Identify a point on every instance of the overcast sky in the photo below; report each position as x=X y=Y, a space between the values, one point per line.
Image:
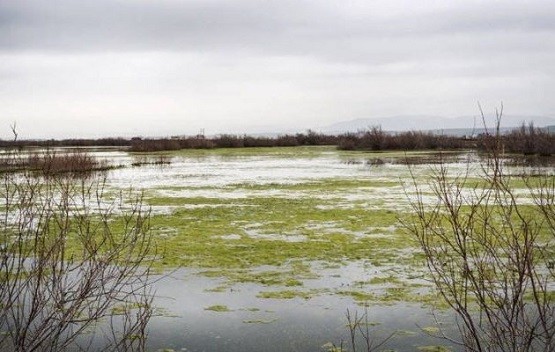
x=162 y=67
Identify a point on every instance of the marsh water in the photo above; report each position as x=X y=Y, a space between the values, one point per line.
x=261 y=324
x=268 y=249
x=198 y=310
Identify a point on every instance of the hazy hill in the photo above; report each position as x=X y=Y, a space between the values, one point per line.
x=462 y=124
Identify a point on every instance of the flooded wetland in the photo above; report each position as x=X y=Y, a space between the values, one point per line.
x=277 y=176
x=277 y=249
x=268 y=248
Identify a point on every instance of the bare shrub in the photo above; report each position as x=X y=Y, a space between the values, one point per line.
x=157 y=160
x=74 y=267
x=376 y=139
x=530 y=140
x=75 y=162
x=50 y=162
x=361 y=335
x=153 y=145
x=286 y=140
x=490 y=255
x=229 y=141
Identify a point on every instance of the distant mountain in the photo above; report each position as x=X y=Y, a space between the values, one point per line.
x=435 y=123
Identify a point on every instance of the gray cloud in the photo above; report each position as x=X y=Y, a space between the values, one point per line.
x=299 y=27
x=296 y=63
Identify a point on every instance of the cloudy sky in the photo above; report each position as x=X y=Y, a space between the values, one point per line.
x=93 y=68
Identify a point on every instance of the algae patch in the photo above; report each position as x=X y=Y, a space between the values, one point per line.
x=218 y=308
x=287 y=294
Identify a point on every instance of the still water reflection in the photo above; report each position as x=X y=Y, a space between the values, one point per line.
x=255 y=324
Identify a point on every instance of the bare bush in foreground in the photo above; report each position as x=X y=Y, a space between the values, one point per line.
x=490 y=255
x=74 y=267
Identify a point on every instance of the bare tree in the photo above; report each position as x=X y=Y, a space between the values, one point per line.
x=13 y=127
x=74 y=266
x=489 y=254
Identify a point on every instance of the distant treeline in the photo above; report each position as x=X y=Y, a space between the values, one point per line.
x=101 y=142
x=376 y=139
x=233 y=141
x=530 y=140
x=526 y=140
